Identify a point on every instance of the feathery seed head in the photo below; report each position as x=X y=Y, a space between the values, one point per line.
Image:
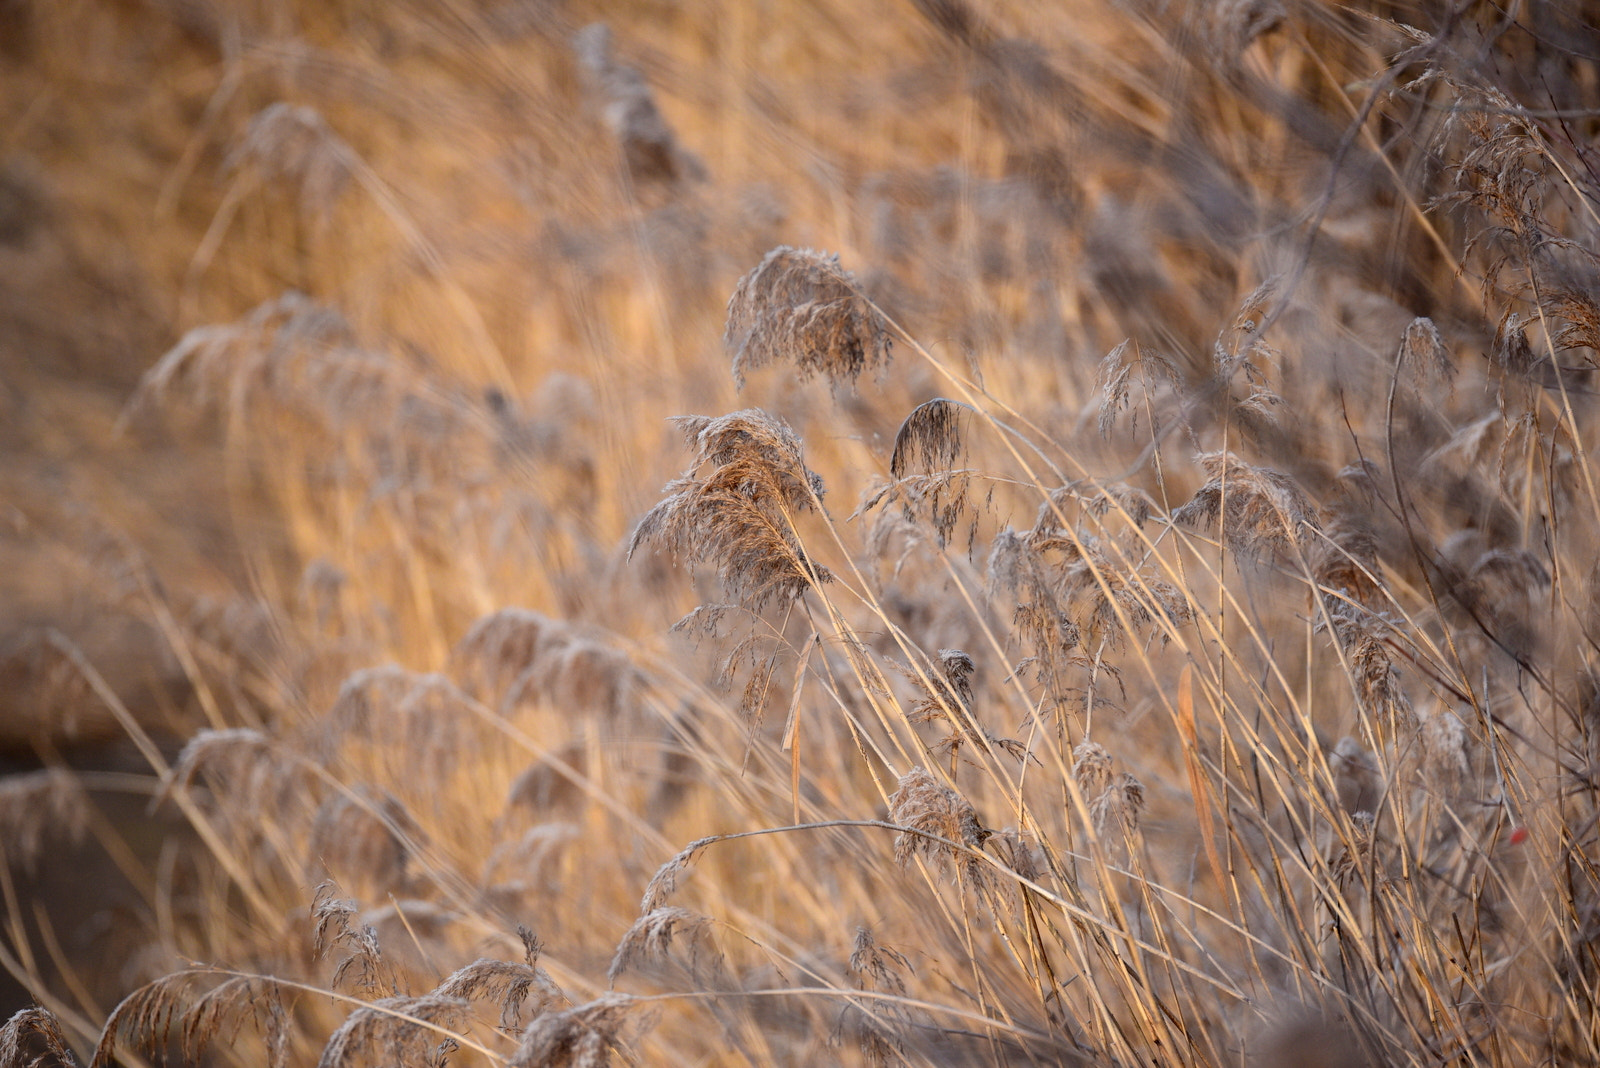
x=921 y=803
x=801 y=307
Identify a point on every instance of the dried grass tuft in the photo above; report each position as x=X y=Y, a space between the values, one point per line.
x=951 y=693
x=877 y=966
x=1423 y=354
x=362 y=835
x=798 y=306
x=877 y=1028
x=1115 y=377
x=1446 y=767
x=929 y=440
x=947 y=695
x=1115 y=802
x=147 y=1018
x=927 y=449
x=1091 y=770
x=501 y=646
x=1356 y=779
x=1115 y=813
x=294 y=142
x=515 y=655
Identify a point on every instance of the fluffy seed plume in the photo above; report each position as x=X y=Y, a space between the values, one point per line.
x=1345 y=560
x=1115 y=813
x=739 y=516
x=877 y=966
x=951 y=693
x=947 y=695
x=361 y=837
x=508 y=984
x=927 y=478
x=294 y=142
x=651 y=936
x=665 y=880
x=32 y=1038
x=801 y=307
x=189 y=1011
x=581 y=1037
x=1423 y=354
x=1116 y=376
x=1073 y=588
x=1355 y=777
x=877 y=1031
x=1263 y=511
x=1445 y=765
x=930 y=439
x=394 y=1030
x=373 y=975
x=922 y=804
x=1091 y=769
x=1377 y=681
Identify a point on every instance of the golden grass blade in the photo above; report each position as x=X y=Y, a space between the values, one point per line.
x=1205 y=818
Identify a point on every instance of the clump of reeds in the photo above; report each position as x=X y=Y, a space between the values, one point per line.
x=1350 y=801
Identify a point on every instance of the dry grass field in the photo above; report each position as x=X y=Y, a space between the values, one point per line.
x=929 y=532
